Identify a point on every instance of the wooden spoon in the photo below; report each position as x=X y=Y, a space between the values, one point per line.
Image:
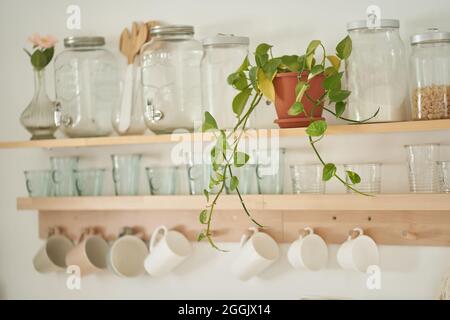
x=130 y=45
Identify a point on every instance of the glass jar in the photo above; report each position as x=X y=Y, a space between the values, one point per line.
x=223 y=54
x=430 y=75
x=87 y=87
x=376 y=72
x=171 y=86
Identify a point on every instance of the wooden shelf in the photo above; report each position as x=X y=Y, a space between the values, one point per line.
x=370 y=128
x=309 y=202
x=394 y=219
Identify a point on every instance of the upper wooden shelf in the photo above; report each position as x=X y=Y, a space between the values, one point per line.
x=370 y=128
x=306 y=202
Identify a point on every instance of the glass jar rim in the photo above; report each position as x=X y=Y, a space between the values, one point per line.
x=172 y=30
x=83 y=42
x=384 y=24
x=432 y=35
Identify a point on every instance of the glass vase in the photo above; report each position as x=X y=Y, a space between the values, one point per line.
x=38 y=118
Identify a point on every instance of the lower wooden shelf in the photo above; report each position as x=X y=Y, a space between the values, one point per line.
x=393 y=219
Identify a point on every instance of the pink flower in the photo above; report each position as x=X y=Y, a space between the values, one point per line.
x=46 y=42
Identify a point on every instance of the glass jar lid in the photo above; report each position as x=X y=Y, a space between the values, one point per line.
x=362 y=24
x=172 y=30
x=432 y=35
x=79 y=42
x=223 y=39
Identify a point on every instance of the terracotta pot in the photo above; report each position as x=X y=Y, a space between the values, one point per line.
x=284 y=84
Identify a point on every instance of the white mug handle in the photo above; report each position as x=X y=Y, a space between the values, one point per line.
x=246 y=237
x=360 y=233
x=154 y=239
x=306 y=232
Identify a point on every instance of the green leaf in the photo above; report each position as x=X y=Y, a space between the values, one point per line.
x=291 y=62
x=330 y=71
x=262 y=49
x=201 y=236
x=49 y=52
x=296 y=109
x=240 y=101
x=206 y=193
x=317 y=128
x=240 y=158
x=333 y=82
x=335 y=62
x=329 y=170
x=252 y=74
x=238 y=80
x=244 y=66
x=317 y=69
x=353 y=176
x=312 y=47
x=300 y=90
x=203 y=217
x=265 y=85
x=344 y=48
x=261 y=60
x=209 y=123
x=234 y=182
x=39 y=60
x=339 y=108
x=338 y=95
x=301 y=63
x=271 y=67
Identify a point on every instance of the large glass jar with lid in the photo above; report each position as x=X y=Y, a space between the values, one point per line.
x=430 y=75
x=376 y=72
x=87 y=87
x=171 y=86
x=223 y=54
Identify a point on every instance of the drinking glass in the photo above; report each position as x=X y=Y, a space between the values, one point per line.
x=444 y=176
x=162 y=180
x=89 y=182
x=247 y=179
x=307 y=178
x=126 y=174
x=39 y=183
x=270 y=171
x=63 y=175
x=370 y=174
x=423 y=168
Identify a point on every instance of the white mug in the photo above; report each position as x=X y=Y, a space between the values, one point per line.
x=127 y=254
x=167 y=251
x=309 y=252
x=358 y=253
x=257 y=253
x=52 y=256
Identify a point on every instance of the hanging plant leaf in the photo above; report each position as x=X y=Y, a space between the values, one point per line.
x=344 y=48
x=317 y=128
x=329 y=170
x=353 y=176
x=296 y=109
x=209 y=123
x=265 y=85
x=234 y=182
x=240 y=101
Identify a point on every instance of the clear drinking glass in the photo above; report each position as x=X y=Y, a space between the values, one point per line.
x=422 y=166
x=247 y=179
x=162 y=180
x=370 y=174
x=89 y=182
x=444 y=176
x=39 y=183
x=307 y=178
x=270 y=171
x=199 y=177
x=63 y=175
x=126 y=174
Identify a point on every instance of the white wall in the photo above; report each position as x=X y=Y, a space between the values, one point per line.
x=408 y=272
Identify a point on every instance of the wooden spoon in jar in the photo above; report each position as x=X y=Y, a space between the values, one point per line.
x=130 y=44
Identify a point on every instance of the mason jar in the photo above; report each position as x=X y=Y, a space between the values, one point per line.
x=171 y=86
x=376 y=72
x=223 y=54
x=87 y=87
x=430 y=75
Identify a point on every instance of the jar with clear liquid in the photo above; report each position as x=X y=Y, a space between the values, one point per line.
x=171 y=86
x=87 y=87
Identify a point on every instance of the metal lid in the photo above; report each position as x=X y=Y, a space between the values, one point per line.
x=78 y=42
x=362 y=24
x=172 y=30
x=226 y=39
x=432 y=35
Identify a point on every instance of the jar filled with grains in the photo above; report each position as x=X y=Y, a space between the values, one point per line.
x=430 y=75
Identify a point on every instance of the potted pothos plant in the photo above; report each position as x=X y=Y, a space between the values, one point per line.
x=301 y=87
